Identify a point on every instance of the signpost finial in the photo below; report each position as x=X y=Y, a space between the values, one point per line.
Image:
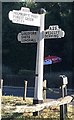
x=42 y=11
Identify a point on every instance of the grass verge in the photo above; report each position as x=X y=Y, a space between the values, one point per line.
x=51 y=113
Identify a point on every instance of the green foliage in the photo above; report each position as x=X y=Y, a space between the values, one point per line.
x=29 y=3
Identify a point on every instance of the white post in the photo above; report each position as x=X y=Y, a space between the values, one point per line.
x=38 y=92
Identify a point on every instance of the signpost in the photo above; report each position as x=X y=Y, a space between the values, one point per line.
x=38 y=95
x=25 y=17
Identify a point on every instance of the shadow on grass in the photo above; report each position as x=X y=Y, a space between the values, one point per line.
x=20 y=116
x=14 y=116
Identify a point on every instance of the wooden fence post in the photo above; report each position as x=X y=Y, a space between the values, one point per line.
x=1 y=86
x=44 y=89
x=25 y=89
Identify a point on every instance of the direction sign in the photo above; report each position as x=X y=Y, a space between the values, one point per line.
x=32 y=36
x=24 y=17
x=28 y=36
x=53 y=32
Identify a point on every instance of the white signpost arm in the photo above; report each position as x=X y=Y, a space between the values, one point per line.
x=24 y=17
x=38 y=95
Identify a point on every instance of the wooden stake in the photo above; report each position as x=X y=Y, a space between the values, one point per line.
x=44 y=89
x=25 y=90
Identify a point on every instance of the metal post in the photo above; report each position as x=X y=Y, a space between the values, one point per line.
x=62 y=114
x=65 y=93
x=38 y=92
x=25 y=89
x=63 y=108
